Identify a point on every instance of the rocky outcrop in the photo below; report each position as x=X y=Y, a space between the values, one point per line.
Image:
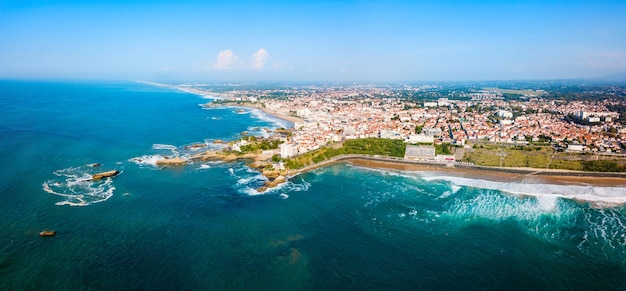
x=195 y=146
x=230 y=158
x=177 y=161
x=271 y=174
x=102 y=175
x=259 y=165
x=208 y=155
x=273 y=183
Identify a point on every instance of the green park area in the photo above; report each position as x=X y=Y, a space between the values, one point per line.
x=368 y=146
x=542 y=157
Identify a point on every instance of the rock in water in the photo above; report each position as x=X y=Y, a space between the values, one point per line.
x=48 y=233
x=177 y=161
x=273 y=183
x=107 y=174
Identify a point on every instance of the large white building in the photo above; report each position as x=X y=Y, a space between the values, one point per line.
x=419 y=152
x=288 y=150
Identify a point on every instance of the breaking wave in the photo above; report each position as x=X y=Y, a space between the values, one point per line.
x=147 y=160
x=547 y=211
x=277 y=122
x=77 y=187
x=596 y=195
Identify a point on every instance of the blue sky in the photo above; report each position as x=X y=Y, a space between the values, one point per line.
x=312 y=41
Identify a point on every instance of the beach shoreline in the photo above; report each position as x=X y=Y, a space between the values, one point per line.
x=573 y=185
x=514 y=175
x=494 y=174
x=265 y=110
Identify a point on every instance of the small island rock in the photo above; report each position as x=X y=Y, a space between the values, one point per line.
x=107 y=174
x=177 y=161
x=48 y=233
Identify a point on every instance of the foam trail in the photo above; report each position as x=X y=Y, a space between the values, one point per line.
x=596 y=195
x=171 y=148
x=78 y=189
x=605 y=234
x=147 y=160
x=203 y=167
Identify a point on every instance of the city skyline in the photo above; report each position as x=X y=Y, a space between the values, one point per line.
x=322 y=41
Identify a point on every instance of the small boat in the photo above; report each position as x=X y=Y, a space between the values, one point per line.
x=48 y=233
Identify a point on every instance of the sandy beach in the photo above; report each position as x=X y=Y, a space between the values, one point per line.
x=494 y=174
x=289 y=118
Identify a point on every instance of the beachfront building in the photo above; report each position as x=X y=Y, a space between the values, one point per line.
x=575 y=147
x=419 y=152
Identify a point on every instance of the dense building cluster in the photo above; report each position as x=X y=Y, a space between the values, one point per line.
x=341 y=113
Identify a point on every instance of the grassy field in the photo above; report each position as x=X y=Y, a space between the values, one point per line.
x=507 y=156
x=370 y=146
x=543 y=157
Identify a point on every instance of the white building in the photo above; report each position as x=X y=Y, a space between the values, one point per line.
x=575 y=147
x=420 y=138
x=505 y=114
x=288 y=150
x=419 y=152
x=304 y=112
x=432 y=131
x=430 y=104
x=594 y=119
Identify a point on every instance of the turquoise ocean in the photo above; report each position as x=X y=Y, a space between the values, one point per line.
x=205 y=227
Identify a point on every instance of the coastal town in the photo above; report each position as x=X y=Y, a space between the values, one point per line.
x=323 y=115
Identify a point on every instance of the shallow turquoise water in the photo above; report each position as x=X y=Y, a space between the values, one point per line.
x=205 y=227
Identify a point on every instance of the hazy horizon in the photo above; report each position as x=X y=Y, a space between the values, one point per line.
x=348 y=41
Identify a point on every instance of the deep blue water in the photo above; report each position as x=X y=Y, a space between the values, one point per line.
x=204 y=227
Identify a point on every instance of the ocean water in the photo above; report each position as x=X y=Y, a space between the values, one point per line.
x=204 y=226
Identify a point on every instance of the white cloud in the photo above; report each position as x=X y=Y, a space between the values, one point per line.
x=225 y=60
x=259 y=58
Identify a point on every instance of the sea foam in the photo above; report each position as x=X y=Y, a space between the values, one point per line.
x=78 y=188
x=147 y=160
x=596 y=195
x=259 y=114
